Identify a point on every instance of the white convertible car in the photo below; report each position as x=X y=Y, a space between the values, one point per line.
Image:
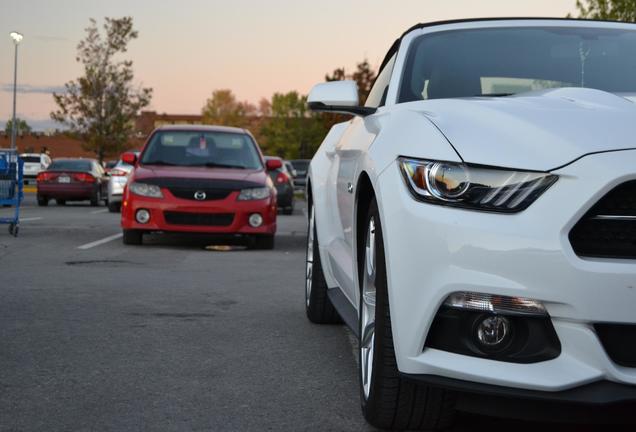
x=475 y=222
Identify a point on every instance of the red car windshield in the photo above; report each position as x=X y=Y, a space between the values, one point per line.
x=202 y=148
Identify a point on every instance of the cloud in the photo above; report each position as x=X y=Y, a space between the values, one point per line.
x=28 y=88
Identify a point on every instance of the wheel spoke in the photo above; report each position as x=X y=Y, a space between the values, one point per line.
x=367 y=314
x=310 y=256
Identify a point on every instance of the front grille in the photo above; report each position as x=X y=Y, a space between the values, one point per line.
x=198 y=219
x=608 y=230
x=619 y=341
x=214 y=189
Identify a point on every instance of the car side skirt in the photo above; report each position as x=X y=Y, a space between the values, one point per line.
x=345 y=309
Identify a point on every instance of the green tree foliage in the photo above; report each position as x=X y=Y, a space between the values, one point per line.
x=23 y=127
x=100 y=106
x=223 y=109
x=292 y=131
x=618 y=10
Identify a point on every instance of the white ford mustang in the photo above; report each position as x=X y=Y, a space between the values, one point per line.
x=475 y=222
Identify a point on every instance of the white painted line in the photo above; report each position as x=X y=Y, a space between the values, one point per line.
x=99 y=211
x=29 y=219
x=100 y=242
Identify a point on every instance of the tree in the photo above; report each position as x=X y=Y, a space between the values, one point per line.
x=364 y=76
x=292 y=131
x=223 y=109
x=618 y=10
x=23 y=127
x=100 y=106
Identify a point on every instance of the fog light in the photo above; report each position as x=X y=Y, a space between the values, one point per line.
x=142 y=216
x=255 y=220
x=493 y=331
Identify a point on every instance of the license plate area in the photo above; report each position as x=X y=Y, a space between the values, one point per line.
x=64 y=179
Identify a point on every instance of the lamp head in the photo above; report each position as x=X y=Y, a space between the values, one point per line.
x=17 y=37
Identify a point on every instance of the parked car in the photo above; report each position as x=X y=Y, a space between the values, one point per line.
x=284 y=183
x=300 y=178
x=109 y=165
x=72 y=180
x=34 y=163
x=290 y=168
x=118 y=177
x=475 y=222
x=200 y=179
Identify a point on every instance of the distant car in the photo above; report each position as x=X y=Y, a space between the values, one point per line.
x=116 y=184
x=200 y=179
x=300 y=178
x=284 y=184
x=72 y=180
x=34 y=163
x=290 y=168
x=109 y=165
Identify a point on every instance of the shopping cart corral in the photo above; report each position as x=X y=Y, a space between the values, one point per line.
x=11 y=184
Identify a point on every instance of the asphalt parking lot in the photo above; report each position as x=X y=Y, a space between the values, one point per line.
x=172 y=335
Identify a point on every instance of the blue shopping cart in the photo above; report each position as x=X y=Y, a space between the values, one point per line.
x=11 y=185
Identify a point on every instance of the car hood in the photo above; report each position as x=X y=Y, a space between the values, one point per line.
x=200 y=173
x=540 y=130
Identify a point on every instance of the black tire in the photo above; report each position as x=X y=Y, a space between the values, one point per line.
x=133 y=237
x=95 y=199
x=114 y=207
x=60 y=202
x=393 y=401
x=43 y=201
x=263 y=242
x=318 y=307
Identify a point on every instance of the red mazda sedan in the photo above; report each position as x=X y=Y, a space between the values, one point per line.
x=72 y=180
x=200 y=179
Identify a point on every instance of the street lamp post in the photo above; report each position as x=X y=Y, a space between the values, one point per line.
x=17 y=37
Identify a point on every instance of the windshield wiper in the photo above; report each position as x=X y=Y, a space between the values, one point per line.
x=222 y=165
x=160 y=162
x=495 y=94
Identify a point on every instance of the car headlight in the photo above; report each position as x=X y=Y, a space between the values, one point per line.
x=146 y=190
x=254 y=194
x=472 y=187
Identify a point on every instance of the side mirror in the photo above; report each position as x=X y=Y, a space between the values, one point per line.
x=273 y=164
x=129 y=158
x=338 y=97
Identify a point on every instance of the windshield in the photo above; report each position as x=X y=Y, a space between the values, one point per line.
x=505 y=61
x=202 y=148
x=70 y=165
x=300 y=165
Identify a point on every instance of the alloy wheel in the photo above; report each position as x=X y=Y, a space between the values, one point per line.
x=310 y=256
x=367 y=336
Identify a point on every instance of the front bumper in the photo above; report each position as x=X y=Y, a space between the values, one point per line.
x=433 y=251
x=239 y=225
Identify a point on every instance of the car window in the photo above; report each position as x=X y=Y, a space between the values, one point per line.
x=300 y=165
x=31 y=159
x=202 y=148
x=504 y=61
x=377 y=96
x=70 y=165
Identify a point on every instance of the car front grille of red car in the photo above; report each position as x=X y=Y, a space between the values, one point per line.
x=198 y=219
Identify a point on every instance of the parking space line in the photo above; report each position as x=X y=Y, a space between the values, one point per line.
x=100 y=242
x=29 y=219
x=99 y=211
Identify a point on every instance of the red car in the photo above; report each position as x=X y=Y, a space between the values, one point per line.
x=200 y=179
x=72 y=180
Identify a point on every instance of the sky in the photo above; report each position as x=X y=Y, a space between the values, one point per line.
x=188 y=48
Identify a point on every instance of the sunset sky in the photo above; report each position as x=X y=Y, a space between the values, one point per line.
x=188 y=48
